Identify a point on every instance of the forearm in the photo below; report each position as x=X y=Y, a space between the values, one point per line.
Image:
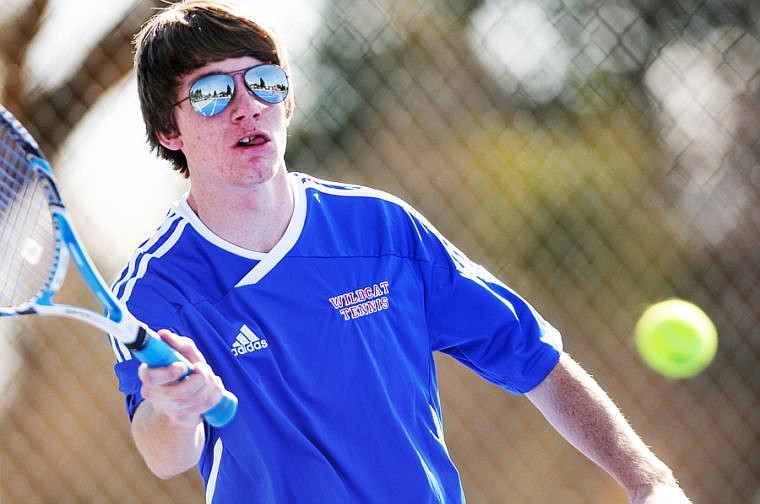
x=581 y=411
x=169 y=448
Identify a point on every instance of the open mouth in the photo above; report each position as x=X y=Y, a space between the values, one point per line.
x=252 y=141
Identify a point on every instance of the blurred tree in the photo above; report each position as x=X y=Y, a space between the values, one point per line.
x=65 y=437
x=51 y=115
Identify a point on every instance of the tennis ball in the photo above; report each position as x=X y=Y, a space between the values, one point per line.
x=676 y=338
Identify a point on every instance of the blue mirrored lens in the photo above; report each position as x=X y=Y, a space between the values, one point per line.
x=211 y=94
x=268 y=83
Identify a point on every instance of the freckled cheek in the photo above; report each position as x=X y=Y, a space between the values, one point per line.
x=202 y=148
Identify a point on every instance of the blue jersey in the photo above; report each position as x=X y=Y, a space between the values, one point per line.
x=328 y=342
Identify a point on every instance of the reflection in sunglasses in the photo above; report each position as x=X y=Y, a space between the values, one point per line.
x=211 y=94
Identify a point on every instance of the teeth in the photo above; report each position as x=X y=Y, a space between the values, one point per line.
x=252 y=140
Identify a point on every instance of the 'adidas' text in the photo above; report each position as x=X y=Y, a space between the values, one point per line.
x=247 y=342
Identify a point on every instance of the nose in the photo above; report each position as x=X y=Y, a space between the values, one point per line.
x=244 y=104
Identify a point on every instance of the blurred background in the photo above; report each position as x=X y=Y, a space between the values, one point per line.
x=596 y=155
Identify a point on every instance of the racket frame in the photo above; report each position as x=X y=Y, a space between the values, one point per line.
x=115 y=320
x=142 y=341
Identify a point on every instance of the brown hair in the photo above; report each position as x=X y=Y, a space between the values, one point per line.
x=182 y=38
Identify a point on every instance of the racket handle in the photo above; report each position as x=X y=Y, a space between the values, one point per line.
x=157 y=353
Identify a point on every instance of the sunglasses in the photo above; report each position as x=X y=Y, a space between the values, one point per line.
x=211 y=94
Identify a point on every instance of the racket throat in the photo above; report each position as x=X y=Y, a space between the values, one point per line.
x=141 y=340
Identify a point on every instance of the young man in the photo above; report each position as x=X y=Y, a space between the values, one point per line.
x=318 y=304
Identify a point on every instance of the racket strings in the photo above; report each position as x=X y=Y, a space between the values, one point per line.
x=28 y=248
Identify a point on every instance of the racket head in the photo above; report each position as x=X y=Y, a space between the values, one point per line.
x=36 y=238
x=33 y=258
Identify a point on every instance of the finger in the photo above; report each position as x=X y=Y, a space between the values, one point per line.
x=172 y=395
x=183 y=345
x=157 y=376
x=187 y=399
x=204 y=390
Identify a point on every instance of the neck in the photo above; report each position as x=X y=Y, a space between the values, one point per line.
x=251 y=217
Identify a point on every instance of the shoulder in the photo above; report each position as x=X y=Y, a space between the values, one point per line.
x=383 y=222
x=344 y=197
x=313 y=185
x=141 y=273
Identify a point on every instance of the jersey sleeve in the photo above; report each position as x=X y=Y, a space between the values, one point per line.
x=478 y=320
x=154 y=311
x=129 y=383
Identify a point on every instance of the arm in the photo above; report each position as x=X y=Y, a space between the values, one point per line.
x=167 y=447
x=582 y=413
x=167 y=426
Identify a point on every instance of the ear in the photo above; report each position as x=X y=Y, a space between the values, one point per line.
x=172 y=141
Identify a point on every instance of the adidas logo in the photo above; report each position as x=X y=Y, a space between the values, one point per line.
x=247 y=342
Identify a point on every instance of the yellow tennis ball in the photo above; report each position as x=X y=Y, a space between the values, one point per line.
x=676 y=338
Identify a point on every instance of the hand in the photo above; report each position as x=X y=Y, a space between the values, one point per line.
x=182 y=400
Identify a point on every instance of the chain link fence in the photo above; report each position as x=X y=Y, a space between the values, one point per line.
x=597 y=156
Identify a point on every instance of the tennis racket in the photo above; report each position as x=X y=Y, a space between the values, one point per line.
x=37 y=239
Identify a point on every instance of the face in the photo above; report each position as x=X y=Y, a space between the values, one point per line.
x=242 y=145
